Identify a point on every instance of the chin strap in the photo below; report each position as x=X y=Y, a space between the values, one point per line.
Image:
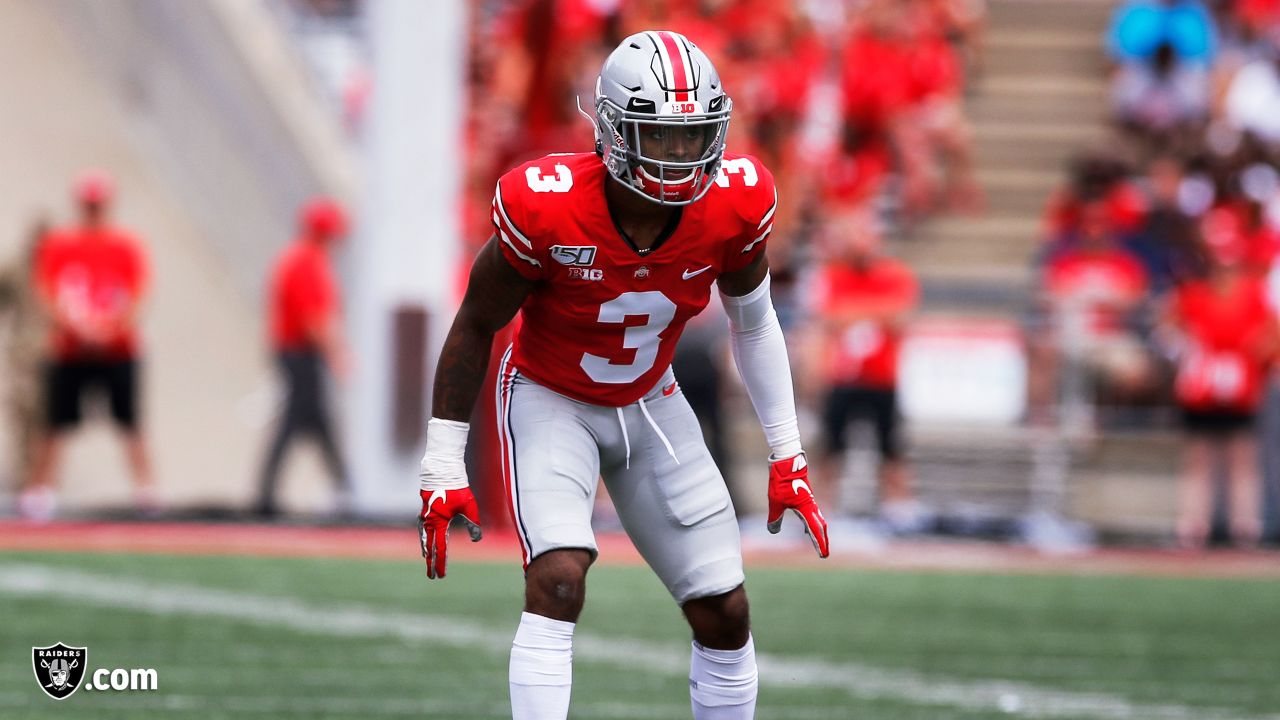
x=595 y=128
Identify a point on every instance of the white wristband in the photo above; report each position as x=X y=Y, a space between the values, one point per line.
x=443 y=464
x=785 y=449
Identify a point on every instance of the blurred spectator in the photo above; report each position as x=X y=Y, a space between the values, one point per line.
x=1094 y=177
x=861 y=301
x=1259 y=237
x=1139 y=27
x=940 y=131
x=1258 y=16
x=1244 y=38
x=1252 y=102
x=882 y=84
x=307 y=338
x=1161 y=96
x=963 y=24
x=27 y=332
x=1166 y=242
x=1094 y=289
x=90 y=278
x=1227 y=338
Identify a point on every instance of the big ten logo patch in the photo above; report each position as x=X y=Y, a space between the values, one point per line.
x=579 y=273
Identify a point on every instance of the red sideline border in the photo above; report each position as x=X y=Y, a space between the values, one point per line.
x=615 y=548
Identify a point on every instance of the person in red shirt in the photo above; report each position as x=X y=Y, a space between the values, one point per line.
x=861 y=299
x=307 y=339
x=1093 y=289
x=606 y=256
x=1227 y=340
x=90 y=280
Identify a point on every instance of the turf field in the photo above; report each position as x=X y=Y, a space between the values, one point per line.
x=238 y=637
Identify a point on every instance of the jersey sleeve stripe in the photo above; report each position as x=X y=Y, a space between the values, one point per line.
x=758 y=240
x=503 y=234
x=769 y=215
x=506 y=219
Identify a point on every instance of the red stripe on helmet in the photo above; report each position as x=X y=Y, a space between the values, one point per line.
x=678 y=67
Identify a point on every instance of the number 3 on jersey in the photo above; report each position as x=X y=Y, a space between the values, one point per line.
x=737 y=166
x=658 y=311
x=540 y=183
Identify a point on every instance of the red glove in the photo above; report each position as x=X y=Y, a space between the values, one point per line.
x=789 y=490
x=439 y=507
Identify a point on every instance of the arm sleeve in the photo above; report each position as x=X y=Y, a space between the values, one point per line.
x=760 y=352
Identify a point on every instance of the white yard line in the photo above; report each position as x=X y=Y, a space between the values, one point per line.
x=314 y=704
x=1018 y=699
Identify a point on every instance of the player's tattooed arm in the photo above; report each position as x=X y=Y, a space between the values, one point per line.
x=741 y=282
x=494 y=293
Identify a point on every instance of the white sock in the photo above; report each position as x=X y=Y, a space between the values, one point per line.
x=723 y=683
x=541 y=674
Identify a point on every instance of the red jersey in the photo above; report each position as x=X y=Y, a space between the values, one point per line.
x=1097 y=281
x=1223 y=368
x=602 y=322
x=304 y=292
x=865 y=352
x=95 y=277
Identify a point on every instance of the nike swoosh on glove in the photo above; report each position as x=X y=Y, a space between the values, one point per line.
x=439 y=508
x=789 y=489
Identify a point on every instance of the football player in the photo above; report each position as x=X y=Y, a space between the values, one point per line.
x=608 y=255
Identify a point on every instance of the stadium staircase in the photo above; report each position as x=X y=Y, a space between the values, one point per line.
x=1040 y=99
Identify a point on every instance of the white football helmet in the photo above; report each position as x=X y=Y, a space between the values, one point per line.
x=661 y=117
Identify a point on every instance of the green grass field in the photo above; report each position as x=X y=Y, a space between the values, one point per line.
x=235 y=637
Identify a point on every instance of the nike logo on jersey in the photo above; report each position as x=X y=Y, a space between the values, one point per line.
x=669 y=390
x=695 y=273
x=437 y=495
x=797 y=484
